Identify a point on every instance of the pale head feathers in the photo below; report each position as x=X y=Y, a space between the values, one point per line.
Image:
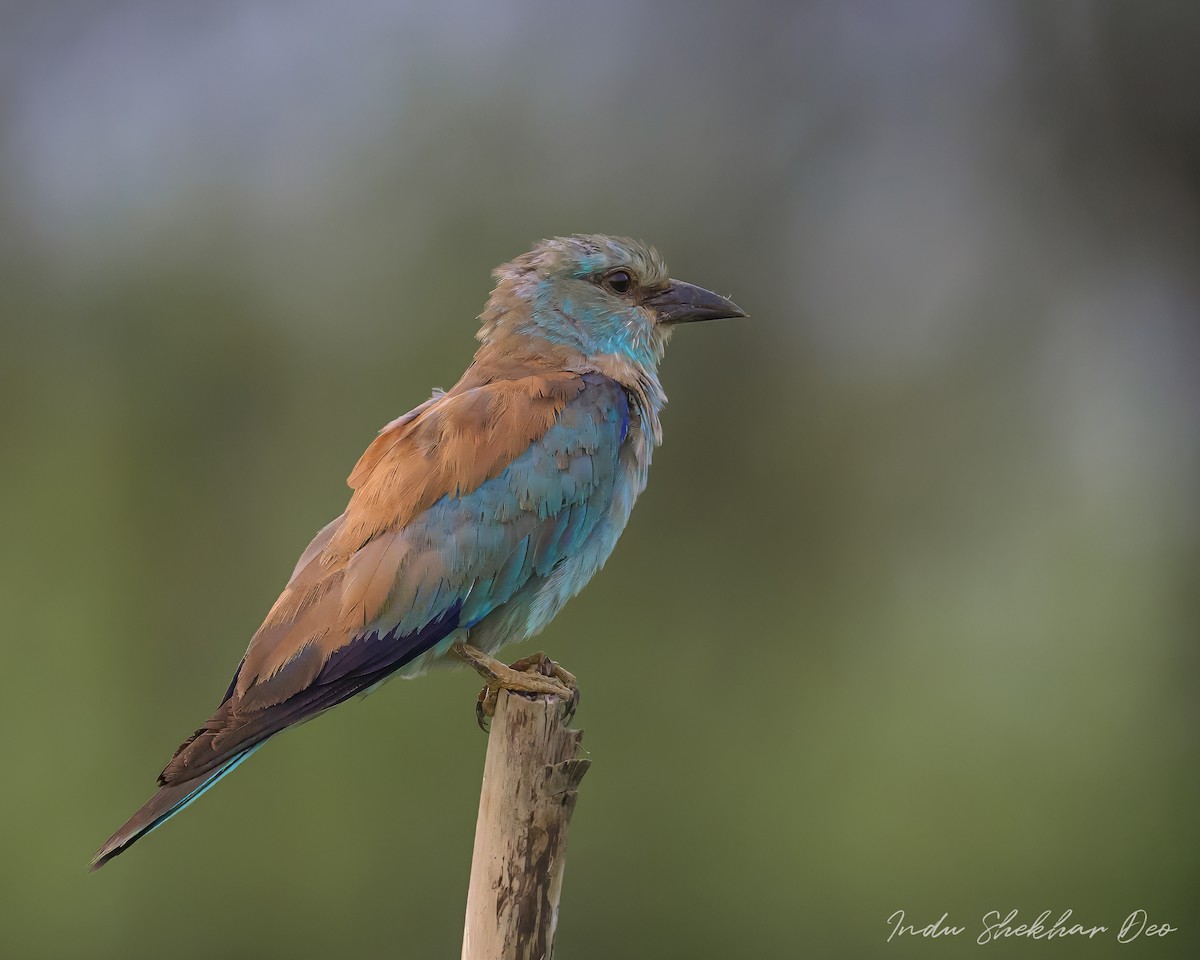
x=554 y=294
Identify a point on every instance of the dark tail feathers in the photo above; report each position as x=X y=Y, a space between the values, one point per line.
x=169 y=800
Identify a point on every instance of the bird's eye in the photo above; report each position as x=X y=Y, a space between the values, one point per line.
x=618 y=281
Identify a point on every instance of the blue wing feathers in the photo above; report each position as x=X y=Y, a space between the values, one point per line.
x=371 y=654
x=476 y=567
x=524 y=522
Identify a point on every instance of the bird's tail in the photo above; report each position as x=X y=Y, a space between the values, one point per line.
x=169 y=800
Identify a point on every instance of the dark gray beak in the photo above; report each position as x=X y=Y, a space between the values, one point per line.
x=685 y=303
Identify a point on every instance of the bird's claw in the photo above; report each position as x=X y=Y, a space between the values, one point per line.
x=536 y=675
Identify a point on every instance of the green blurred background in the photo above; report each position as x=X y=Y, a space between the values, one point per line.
x=907 y=616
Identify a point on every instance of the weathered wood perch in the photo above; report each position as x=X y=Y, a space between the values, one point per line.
x=530 y=783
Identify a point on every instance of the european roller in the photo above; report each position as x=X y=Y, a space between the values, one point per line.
x=475 y=516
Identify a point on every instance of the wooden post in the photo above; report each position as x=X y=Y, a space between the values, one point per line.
x=530 y=782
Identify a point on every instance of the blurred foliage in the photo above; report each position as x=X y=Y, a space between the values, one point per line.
x=907 y=616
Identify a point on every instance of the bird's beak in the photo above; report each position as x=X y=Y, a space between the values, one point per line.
x=685 y=303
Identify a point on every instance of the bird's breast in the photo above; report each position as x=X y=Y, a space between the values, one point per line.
x=574 y=573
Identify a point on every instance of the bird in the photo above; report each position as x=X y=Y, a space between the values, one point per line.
x=474 y=517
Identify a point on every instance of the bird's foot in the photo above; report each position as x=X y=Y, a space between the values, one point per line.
x=536 y=674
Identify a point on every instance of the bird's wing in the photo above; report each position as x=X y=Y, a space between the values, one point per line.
x=454 y=510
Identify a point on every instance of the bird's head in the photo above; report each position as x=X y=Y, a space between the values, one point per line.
x=598 y=295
